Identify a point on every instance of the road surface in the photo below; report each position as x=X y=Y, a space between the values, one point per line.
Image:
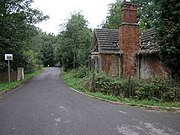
x=45 y=106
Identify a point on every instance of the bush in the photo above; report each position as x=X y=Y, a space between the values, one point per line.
x=82 y=72
x=165 y=90
x=31 y=59
x=157 y=89
x=110 y=85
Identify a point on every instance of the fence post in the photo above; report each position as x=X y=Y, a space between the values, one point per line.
x=20 y=75
x=129 y=87
x=92 y=81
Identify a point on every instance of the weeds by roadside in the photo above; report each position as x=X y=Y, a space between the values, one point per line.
x=154 y=92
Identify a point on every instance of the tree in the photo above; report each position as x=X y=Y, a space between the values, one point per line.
x=114 y=14
x=146 y=14
x=168 y=34
x=47 y=53
x=44 y=45
x=74 y=42
x=31 y=60
x=16 y=25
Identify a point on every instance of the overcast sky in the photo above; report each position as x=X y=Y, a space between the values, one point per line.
x=95 y=12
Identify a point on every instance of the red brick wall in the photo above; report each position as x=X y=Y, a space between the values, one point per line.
x=106 y=59
x=110 y=64
x=129 y=38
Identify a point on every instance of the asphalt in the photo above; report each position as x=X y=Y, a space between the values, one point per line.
x=46 y=106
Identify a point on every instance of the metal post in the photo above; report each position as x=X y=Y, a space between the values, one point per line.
x=9 y=72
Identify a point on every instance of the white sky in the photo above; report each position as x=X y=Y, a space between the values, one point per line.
x=95 y=12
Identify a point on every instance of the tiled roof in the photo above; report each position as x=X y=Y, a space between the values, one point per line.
x=147 y=40
x=108 y=39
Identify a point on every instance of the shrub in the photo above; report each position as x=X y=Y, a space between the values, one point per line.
x=82 y=72
x=111 y=85
x=156 y=89
x=159 y=89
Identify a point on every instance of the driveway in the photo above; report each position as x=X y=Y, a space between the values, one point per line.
x=46 y=106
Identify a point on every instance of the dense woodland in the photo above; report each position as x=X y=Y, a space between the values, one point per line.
x=31 y=47
x=17 y=29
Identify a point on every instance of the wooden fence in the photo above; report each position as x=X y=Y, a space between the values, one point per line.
x=4 y=76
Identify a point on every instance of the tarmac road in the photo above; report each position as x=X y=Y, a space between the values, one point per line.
x=45 y=106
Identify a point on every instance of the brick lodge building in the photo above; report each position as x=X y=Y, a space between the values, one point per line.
x=127 y=52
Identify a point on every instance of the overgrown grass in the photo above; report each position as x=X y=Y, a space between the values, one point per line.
x=72 y=81
x=79 y=82
x=104 y=97
x=5 y=86
x=137 y=102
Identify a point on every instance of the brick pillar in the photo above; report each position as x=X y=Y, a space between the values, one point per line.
x=129 y=38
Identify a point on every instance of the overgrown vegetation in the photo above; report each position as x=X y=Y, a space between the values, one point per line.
x=146 y=14
x=168 y=34
x=157 y=92
x=17 y=19
x=74 y=42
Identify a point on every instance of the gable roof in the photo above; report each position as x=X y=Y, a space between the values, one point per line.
x=107 y=40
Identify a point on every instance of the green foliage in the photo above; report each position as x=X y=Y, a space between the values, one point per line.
x=114 y=14
x=47 y=53
x=44 y=45
x=72 y=81
x=146 y=14
x=168 y=33
x=165 y=90
x=31 y=60
x=157 y=89
x=74 y=42
x=107 y=84
x=156 y=92
x=82 y=72
x=104 y=97
x=16 y=29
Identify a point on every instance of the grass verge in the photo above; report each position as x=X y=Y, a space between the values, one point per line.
x=76 y=83
x=5 y=86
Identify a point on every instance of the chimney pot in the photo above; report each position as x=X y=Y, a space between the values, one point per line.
x=129 y=12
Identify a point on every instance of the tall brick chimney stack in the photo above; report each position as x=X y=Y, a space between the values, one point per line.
x=129 y=37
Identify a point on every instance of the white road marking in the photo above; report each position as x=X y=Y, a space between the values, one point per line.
x=122 y=112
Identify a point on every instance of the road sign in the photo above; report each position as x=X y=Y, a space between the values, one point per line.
x=8 y=57
x=125 y=1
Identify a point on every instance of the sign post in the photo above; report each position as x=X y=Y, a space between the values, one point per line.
x=9 y=57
